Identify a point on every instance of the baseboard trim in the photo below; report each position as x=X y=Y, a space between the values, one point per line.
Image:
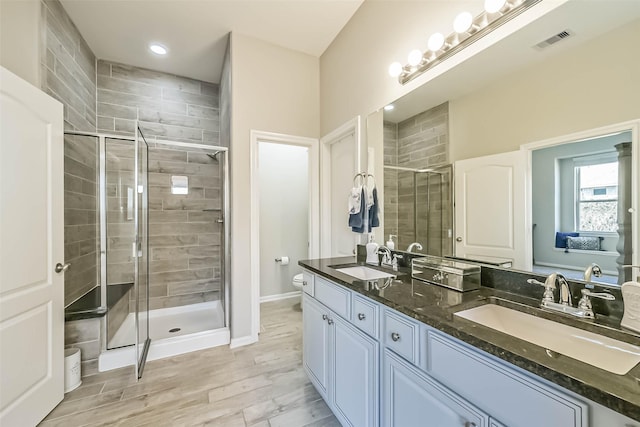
x=279 y=297
x=242 y=341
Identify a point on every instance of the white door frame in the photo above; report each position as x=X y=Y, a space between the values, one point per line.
x=350 y=127
x=634 y=127
x=314 y=210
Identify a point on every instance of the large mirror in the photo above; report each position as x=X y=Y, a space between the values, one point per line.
x=583 y=206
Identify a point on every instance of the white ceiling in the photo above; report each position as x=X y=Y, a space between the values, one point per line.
x=195 y=31
x=587 y=19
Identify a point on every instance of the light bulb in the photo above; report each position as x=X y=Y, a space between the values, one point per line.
x=463 y=22
x=395 y=69
x=492 y=6
x=158 y=49
x=436 y=41
x=415 y=57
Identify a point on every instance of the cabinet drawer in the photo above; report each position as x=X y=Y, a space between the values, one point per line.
x=510 y=396
x=307 y=282
x=333 y=296
x=365 y=315
x=401 y=335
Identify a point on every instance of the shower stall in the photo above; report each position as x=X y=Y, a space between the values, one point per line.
x=145 y=234
x=421 y=209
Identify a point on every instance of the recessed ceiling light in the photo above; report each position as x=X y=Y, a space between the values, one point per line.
x=158 y=49
x=388 y=107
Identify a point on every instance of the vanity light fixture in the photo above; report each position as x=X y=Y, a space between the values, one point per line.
x=158 y=49
x=467 y=30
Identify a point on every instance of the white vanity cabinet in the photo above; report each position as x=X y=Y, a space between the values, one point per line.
x=412 y=398
x=499 y=389
x=375 y=366
x=343 y=363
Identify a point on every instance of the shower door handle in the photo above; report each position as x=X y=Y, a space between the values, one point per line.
x=219 y=220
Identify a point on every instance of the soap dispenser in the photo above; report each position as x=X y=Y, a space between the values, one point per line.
x=372 y=251
x=390 y=243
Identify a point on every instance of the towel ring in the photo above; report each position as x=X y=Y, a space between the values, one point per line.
x=363 y=177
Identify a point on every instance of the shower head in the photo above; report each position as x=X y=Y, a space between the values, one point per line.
x=214 y=156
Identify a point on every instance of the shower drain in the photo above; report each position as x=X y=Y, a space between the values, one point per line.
x=174 y=329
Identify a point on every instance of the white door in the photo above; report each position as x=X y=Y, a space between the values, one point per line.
x=339 y=163
x=31 y=244
x=490 y=208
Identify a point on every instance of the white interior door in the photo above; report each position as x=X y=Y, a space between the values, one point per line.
x=490 y=203
x=31 y=244
x=340 y=162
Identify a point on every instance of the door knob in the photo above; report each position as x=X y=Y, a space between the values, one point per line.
x=60 y=268
x=458 y=239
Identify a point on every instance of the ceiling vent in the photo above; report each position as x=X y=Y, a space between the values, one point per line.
x=555 y=39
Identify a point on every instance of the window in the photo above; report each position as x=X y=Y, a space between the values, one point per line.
x=596 y=195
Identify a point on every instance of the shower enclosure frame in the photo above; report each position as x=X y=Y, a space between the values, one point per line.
x=225 y=217
x=436 y=170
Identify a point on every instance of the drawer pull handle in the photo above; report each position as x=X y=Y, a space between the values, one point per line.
x=330 y=321
x=304 y=283
x=361 y=316
x=324 y=317
x=395 y=336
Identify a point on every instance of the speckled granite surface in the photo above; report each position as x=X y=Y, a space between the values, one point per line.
x=435 y=305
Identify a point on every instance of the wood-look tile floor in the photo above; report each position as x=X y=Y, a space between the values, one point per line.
x=260 y=385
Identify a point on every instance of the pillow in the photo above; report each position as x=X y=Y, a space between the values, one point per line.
x=584 y=243
x=561 y=239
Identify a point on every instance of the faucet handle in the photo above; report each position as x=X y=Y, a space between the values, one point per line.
x=548 y=289
x=585 y=301
x=604 y=295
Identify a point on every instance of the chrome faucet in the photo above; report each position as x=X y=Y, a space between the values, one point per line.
x=415 y=245
x=386 y=257
x=594 y=269
x=565 y=293
x=584 y=308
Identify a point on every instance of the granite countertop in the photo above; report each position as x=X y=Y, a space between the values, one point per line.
x=435 y=306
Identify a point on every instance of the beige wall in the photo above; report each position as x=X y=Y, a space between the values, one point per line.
x=274 y=90
x=353 y=70
x=20 y=38
x=594 y=85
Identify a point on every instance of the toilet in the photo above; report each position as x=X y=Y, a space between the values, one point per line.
x=297 y=281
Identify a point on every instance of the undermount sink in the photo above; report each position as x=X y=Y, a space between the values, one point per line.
x=597 y=350
x=364 y=273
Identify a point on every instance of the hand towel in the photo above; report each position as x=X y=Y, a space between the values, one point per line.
x=356 y=220
x=354 y=200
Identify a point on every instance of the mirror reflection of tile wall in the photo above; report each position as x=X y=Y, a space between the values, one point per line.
x=418 y=206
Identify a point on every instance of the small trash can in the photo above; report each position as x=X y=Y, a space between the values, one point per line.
x=72 y=377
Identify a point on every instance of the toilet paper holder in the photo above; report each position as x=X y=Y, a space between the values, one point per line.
x=283 y=260
x=278 y=259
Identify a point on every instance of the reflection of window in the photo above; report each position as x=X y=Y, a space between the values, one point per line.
x=596 y=195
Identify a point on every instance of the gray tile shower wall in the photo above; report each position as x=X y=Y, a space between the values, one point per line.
x=418 y=142
x=184 y=237
x=225 y=99
x=168 y=107
x=69 y=75
x=81 y=231
x=68 y=67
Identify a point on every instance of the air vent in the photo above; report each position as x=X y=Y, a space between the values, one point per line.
x=554 y=39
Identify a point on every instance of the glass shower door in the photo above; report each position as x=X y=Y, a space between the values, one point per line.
x=141 y=260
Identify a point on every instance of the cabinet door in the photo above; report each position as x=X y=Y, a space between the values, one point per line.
x=410 y=398
x=495 y=423
x=354 y=376
x=316 y=343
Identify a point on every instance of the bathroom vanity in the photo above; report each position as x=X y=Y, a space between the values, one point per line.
x=392 y=352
